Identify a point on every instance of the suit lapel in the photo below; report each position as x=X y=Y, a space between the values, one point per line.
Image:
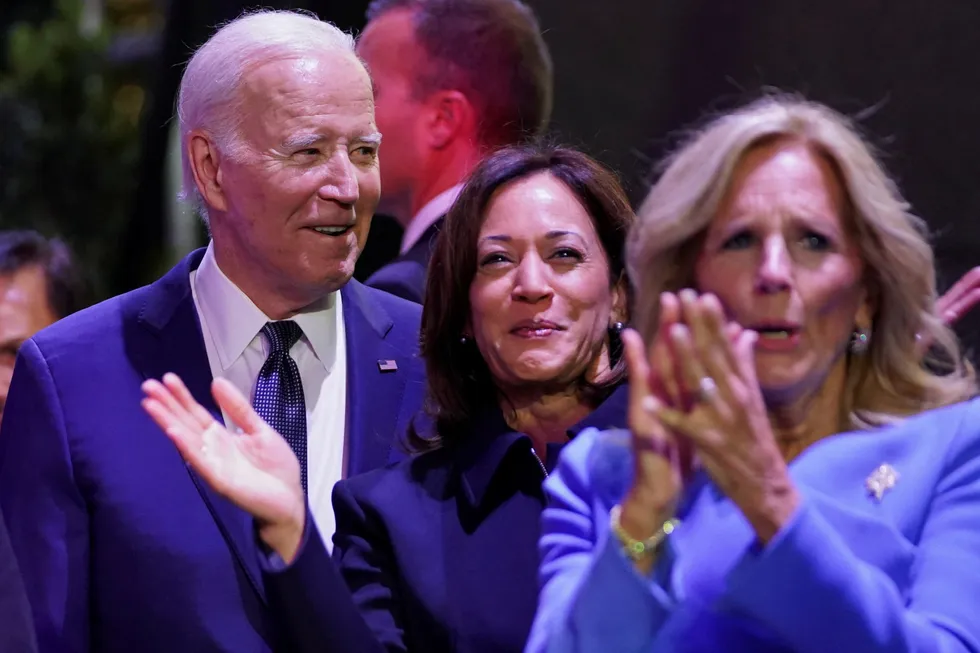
x=376 y=376
x=173 y=343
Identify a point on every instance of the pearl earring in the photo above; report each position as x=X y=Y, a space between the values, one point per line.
x=860 y=341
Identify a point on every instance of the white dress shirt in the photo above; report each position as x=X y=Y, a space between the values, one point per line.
x=232 y=324
x=427 y=216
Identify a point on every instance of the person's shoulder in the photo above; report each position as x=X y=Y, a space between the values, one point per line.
x=402 y=278
x=94 y=325
x=942 y=439
x=959 y=423
x=392 y=486
x=597 y=462
x=104 y=323
x=400 y=310
x=945 y=425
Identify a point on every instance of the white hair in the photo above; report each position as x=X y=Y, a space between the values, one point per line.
x=209 y=98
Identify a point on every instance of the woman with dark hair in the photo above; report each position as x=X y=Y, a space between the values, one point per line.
x=526 y=292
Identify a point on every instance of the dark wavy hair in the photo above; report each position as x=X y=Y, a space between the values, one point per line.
x=68 y=288
x=460 y=386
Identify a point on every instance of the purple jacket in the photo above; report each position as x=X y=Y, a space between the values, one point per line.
x=121 y=547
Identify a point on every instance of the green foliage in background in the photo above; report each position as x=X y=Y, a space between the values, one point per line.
x=69 y=136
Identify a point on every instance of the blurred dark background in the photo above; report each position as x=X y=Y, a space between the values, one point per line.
x=87 y=90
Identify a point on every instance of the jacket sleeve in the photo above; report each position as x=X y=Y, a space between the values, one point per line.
x=311 y=601
x=854 y=606
x=348 y=603
x=43 y=508
x=592 y=599
x=363 y=552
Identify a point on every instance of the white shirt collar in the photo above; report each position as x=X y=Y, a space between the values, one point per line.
x=428 y=215
x=234 y=320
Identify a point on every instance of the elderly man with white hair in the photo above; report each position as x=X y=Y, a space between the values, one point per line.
x=121 y=546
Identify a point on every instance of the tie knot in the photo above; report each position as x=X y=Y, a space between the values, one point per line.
x=282 y=335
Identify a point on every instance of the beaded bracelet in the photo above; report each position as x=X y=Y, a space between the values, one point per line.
x=636 y=550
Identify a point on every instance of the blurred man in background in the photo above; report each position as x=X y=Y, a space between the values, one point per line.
x=39 y=284
x=453 y=79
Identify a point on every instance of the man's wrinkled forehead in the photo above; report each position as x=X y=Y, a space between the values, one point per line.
x=333 y=86
x=318 y=75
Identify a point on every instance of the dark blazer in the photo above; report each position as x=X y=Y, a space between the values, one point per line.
x=406 y=275
x=122 y=548
x=16 y=627
x=439 y=551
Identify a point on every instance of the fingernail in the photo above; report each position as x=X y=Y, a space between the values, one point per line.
x=687 y=296
x=649 y=404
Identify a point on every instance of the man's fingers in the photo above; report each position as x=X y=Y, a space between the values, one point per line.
x=236 y=406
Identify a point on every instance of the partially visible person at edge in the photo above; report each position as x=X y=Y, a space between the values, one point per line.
x=453 y=80
x=526 y=293
x=40 y=283
x=794 y=478
x=122 y=548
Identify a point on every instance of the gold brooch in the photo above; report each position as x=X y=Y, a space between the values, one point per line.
x=881 y=480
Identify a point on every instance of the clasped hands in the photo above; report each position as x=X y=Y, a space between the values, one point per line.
x=695 y=401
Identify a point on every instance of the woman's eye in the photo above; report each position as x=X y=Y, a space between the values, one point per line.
x=567 y=253
x=490 y=259
x=740 y=240
x=815 y=241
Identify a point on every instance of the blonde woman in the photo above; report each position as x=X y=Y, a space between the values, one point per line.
x=774 y=492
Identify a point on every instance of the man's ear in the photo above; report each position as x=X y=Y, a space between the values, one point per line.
x=205 y=160
x=448 y=117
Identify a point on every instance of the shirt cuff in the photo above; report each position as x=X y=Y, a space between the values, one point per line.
x=271 y=562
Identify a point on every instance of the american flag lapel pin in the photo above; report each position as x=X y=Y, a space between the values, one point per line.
x=387 y=365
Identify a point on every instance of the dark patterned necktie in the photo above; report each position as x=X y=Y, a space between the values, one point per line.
x=279 y=390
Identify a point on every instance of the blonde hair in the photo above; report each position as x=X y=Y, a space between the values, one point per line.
x=891 y=379
x=209 y=98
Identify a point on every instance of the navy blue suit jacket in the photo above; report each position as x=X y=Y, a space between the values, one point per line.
x=406 y=275
x=439 y=551
x=122 y=548
x=16 y=628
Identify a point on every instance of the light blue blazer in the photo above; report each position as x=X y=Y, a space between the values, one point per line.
x=847 y=573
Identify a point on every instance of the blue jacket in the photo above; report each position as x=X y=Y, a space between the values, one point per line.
x=121 y=546
x=405 y=276
x=848 y=573
x=439 y=551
